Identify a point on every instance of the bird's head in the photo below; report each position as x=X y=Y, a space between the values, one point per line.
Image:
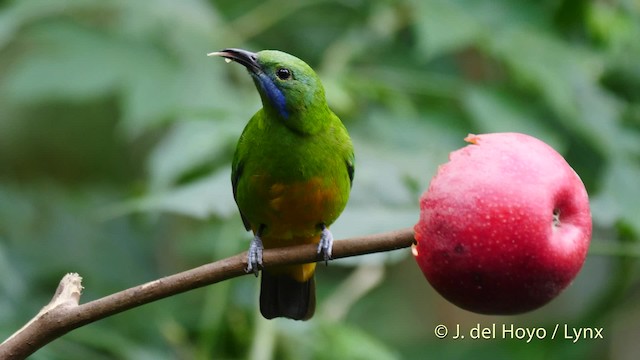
x=289 y=88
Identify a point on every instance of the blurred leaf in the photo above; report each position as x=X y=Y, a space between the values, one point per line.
x=150 y=91
x=599 y=119
x=611 y=25
x=546 y=64
x=346 y=342
x=334 y=341
x=567 y=78
x=367 y=220
x=12 y=284
x=446 y=26
x=436 y=30
x=497 y=111
x=204 y=198
x=73 y=62
x=187 y=145
x=68 y=63
x=393 y=148
x=20 y=13
x=171 y=22
x=614 y=202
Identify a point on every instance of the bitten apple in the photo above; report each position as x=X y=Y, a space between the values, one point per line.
x=504 y=226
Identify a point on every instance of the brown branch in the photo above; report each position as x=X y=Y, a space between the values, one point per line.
x=64 y=313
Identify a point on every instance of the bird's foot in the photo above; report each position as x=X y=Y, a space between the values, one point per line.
x=254 y=256
x=326 y=244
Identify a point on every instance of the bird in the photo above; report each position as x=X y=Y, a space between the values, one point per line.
x=292 y=173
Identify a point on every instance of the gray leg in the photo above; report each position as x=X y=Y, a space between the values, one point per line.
x=326 y=243
x=254 y=255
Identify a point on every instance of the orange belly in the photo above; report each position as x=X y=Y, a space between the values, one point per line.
x=292 y=213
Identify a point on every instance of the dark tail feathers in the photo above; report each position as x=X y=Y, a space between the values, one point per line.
x=282 y=296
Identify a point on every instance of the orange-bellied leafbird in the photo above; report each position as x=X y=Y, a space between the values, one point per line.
x=292 y=173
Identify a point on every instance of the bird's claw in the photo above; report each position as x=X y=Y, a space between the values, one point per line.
x=254 y=256
x=326 y=244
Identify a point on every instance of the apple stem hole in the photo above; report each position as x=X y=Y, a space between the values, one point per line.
x=556 y=217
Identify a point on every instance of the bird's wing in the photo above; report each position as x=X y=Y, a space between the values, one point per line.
x=237 y=168
x=236 y=172
x=351 y=167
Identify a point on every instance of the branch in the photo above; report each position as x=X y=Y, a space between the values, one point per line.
x=64 y=313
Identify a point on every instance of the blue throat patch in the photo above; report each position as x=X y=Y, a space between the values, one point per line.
x=276 y=97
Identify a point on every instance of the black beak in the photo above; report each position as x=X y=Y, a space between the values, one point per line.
x=246 y=58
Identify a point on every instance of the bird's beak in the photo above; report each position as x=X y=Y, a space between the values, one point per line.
x=246 y=58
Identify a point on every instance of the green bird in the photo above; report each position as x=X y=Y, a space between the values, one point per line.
x=291 y=174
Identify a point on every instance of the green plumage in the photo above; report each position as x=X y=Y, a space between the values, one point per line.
x=292 y=173
x=268 y=147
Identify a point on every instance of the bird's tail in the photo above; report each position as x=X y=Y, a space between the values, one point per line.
x=283 y=296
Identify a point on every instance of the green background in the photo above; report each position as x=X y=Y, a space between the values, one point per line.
x=116 y=135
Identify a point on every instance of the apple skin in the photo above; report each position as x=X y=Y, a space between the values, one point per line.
x=504 y=226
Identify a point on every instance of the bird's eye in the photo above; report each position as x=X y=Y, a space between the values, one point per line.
x=283 y=74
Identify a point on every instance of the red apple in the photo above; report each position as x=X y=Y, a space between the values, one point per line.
x=504 y=226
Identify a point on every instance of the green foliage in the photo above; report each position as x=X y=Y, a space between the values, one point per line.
x=116 y=135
